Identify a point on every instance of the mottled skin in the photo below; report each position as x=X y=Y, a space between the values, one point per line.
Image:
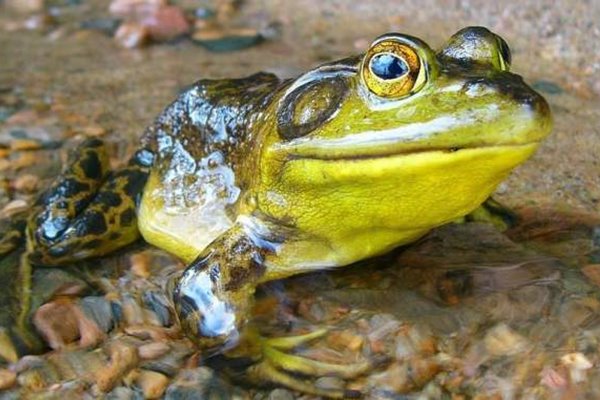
x=255 y=179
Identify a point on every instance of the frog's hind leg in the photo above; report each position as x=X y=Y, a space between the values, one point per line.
x=494 y=212
x=88 y=211
x=13 y=233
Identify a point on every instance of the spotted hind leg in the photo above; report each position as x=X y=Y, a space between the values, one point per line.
x=88 y=211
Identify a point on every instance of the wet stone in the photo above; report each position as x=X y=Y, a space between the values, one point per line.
x=158 y=303
x=124 y=393
x=152 y=384
x=99 y=310
x=107 y=26
x=330 y=383
x=153 y=350
x=280 y=394
x=198 y=383
x=7 y=378
x=171 y=362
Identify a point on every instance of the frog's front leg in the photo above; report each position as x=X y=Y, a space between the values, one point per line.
x=213 y=299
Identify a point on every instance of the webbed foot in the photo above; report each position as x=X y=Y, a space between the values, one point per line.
x=279 y=367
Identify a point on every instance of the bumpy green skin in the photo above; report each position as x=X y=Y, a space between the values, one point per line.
x=298 y=175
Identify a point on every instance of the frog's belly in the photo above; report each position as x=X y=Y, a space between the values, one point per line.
x=170 y=219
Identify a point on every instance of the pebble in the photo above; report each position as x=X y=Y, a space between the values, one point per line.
x=125 y=8
x=592 y=272
x=501 y=340
x=25 y=6
x=553 y=378
x=13 y=208
x=330 y=383
x=140 y=265
x=7 y=378
x=26 y=183
x=62 y=321
x=98 y=309
x=39 y=22
x=198 y=383
x=345 y=339
x=123 y=357
x=25 y=144
x=93 y=131
x=131 y=35
x=577 y=364
x=280 y=394
x=57 y=323
x=223 y=40
x=153 y=384
x=153 y=350
x=165 y=23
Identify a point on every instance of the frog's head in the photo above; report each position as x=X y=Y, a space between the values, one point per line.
x=380 y=148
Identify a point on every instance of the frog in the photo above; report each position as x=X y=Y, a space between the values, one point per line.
x=256 y=179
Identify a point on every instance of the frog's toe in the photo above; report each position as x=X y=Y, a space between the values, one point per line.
x=266 y=372
x=281 y=368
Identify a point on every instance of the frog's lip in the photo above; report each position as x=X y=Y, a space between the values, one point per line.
x=413 y=151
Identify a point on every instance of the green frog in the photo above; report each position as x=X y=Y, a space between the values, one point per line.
x=255 y=179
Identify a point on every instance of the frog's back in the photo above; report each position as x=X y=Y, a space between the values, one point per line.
x=200 y=141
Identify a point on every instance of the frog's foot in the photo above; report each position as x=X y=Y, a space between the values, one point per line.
x=87 y=211
x=279 y=367
x=491 y=211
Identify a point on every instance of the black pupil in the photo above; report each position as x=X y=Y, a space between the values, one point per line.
x=388 y=66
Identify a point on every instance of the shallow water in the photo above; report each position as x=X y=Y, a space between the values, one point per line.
x=466 y=312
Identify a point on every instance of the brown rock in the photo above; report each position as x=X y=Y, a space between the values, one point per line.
x=592 y=272
x=127 y=8
x=153 y=384
x=26 y=183
x=93 y=130
x=153 y=350
x=165 y=23
x=24 y=144
x=7 y=378
x=13 y=208
x=131 y=35
x=123 y=357
x=346 y=339
x=57 y=323
x=140 y=265
x=62 y=321
x=501 y=340
x=25 y=6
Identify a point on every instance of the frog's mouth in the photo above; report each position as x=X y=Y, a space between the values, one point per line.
x=444 y=134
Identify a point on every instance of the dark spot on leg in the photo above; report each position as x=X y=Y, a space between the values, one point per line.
x=114 y=236
x=91 y=166
x=108 y=199
x=71 y=187
x=92 y=244
x=127 y=217
x=136 y=180
x=91 y=223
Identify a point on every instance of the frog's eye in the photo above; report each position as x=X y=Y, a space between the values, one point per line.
x=392 y=69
